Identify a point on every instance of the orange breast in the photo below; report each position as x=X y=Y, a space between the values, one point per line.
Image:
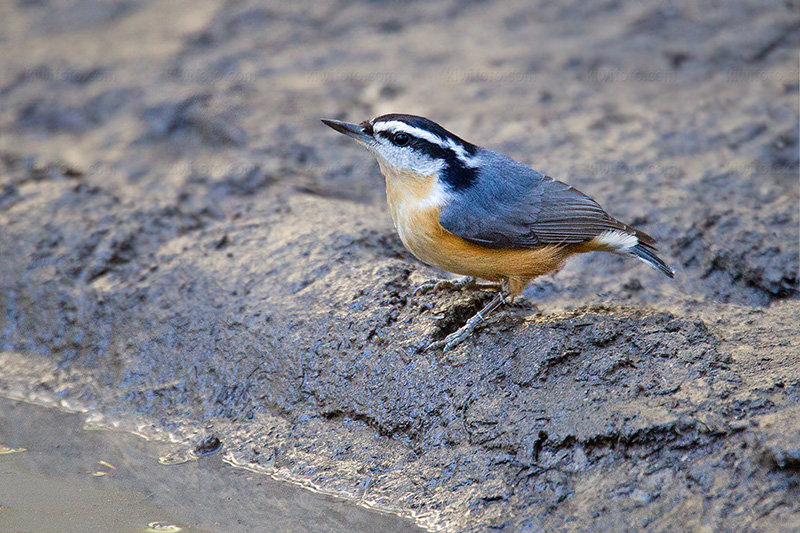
x=422 y=234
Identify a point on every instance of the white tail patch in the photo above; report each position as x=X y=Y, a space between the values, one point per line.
x=619 y=241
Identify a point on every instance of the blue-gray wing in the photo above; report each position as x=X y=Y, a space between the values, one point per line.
x=512 y=206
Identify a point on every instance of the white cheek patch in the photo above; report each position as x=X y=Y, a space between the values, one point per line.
x=617 y=240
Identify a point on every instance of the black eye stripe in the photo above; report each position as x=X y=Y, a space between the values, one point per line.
x=399 y=138
x=385 y=134
x=423 y=146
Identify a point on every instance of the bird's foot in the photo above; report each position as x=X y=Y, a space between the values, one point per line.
x=460 y=335
x=461 y=284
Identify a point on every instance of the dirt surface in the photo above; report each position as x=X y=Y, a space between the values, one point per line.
x=185 y=248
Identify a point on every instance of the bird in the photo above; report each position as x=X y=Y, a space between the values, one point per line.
x=475 y=212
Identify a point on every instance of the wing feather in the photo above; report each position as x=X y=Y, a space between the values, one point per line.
x=524 y=209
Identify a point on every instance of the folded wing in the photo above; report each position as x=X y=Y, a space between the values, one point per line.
x=527 y=210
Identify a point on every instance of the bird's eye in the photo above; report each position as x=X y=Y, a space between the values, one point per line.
x=401 y=139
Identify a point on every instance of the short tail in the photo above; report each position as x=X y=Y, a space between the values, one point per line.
x=647 y=254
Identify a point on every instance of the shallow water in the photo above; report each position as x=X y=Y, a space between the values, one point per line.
x=57 y=476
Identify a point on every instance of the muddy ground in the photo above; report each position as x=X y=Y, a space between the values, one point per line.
x=185 y=248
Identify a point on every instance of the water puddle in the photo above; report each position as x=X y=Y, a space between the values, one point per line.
x=57 y=476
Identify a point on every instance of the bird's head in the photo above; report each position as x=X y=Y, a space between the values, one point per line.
x=416 y=146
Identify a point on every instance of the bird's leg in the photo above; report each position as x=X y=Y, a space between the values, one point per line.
x=457 y=337
x=460 y=284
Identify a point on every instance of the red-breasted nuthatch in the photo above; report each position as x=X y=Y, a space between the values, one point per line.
x=473 y=211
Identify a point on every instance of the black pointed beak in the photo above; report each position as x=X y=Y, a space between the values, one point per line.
x=355 y=131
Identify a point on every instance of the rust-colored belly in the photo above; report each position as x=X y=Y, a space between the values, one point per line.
x=425 y=237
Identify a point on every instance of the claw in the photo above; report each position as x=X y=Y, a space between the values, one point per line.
x=437 y=285
x=460 y=335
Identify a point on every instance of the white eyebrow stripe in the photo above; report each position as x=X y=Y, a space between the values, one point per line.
x=396 y=125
